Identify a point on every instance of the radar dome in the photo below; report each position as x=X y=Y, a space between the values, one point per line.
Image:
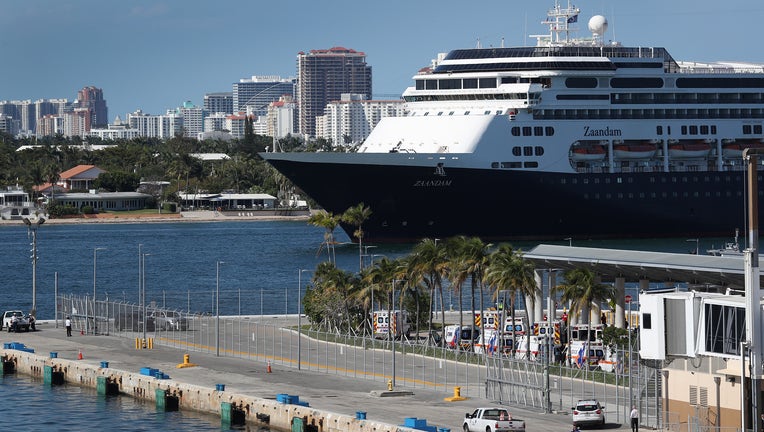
x=598 y=25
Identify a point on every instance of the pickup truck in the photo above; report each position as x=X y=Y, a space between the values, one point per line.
x=492 y=420
x=22 y=322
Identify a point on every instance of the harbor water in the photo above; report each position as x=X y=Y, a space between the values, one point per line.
x=255 y=264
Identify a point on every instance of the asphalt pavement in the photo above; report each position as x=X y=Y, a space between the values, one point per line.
x=338 y=394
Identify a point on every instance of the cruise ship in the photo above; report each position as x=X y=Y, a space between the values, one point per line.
x=570 y=138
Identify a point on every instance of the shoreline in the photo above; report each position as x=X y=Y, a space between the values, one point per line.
x=187 y=216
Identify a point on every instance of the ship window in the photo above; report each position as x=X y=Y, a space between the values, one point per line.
x=747 y=129
x=581 y=82
x=516 y=131
x=527 y=151
x=704 y=130
x=420 y=84
x=494 y=164
x=693 y=130
x=684 y=130
x=431 y=84
x=636 y=82
x=516 y=151
x=450 y=113
x=511 y=165
x=486 y=112
x=527 y=131
x=469 y=83
x=757 y=129
x=487 y=82
x=549 y=131
x=538 y=130
x=440 y=113
x=450 y=84
x=466 y=113
x=620 y=195
x=659 y=130
x=531 y=164
x=498 y=112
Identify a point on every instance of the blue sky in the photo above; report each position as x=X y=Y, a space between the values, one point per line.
x=155 y=54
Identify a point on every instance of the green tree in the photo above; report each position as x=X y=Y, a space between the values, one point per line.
x=428 y=264
x=328 y=221
x=508 y=271
x=582 y=290
x=356 y=216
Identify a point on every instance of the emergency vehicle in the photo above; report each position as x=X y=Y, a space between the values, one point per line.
x=400 y=324
x=586 y=351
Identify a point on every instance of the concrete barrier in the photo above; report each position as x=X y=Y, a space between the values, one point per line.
x=257 y=411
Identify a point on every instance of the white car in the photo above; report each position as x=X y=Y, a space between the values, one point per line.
x=588 y=412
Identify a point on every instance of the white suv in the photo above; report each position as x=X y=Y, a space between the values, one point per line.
x=588 y=413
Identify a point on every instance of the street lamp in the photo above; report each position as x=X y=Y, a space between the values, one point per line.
x=143 y=292
x=390 y=327
x=299 y=317
x=95 y=260
x=570 y=241
x=32 y=225
x=217 y=308
x=697 y=245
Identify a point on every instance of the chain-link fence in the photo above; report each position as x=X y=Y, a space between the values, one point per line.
x=409 y=363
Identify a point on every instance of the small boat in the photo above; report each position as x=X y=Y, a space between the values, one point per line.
x=689 y=150
x=588 y=153
x=731 y=248
x=637 y=150
x=15 y=203
x=734 y=150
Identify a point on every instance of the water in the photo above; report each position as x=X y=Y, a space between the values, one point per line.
x=258 y=274
x=72 y=408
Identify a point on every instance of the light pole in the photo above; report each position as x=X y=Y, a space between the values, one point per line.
x=366 y=253
x=217 y=308
x=143 y=292
x=570 y=241
x=299 y=317
x=95 y=260
x=391 y=320
x=697 y=245
x=32 y=225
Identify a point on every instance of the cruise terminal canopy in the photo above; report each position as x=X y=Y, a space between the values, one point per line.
x=696 y=270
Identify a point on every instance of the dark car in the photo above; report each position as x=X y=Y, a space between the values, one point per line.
x=132 y=320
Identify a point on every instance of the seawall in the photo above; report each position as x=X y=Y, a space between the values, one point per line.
x=186 y=396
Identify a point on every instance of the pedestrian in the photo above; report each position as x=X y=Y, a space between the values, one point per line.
x=68 y=324
x=634 y=419
x=762 y=422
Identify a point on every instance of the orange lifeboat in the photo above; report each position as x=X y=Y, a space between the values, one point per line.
x=734 y=149
x=689 y=150
x=634 y=150
x=588 y=153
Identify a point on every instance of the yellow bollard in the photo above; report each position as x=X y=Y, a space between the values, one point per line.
x=456 y=397
x=389 y=385
x=138 y=343
x=151 y=343
x=186 y=362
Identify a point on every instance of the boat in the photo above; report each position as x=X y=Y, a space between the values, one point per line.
x=689 y=150
x=734 y=149
x=588 y=152
x=485 y=146
x=634 y=150
x=15 y=203
x=731 y=248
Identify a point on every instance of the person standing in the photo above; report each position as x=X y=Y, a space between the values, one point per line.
x=68 y=324
x=634 y=419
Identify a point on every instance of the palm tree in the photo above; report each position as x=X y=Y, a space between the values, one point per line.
x=508 y=271
x=471 y=257
x=356 y=216
x=582 y=290
x=457 y=273
x=377 y=279
x=329 y=222
x=427 y=264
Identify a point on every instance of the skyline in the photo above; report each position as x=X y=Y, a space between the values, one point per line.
x=154 y=56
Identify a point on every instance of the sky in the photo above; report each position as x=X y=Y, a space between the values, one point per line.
x=154 y=55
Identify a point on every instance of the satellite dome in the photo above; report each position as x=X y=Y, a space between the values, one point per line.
x=598 y=25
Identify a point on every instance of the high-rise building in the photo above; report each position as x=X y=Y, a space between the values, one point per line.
x=253 y=95
x=92 y=98
x=323 y=75
x=218 y=103
x=282 y=118
x=193 y=119
x=350 y=120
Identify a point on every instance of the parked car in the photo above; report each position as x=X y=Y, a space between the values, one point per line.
x=491 y=420
x=169 y=320
x=588 y=412
x=21 y=321
x=132 y=320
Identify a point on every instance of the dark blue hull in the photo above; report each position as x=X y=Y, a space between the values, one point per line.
x=411 y=203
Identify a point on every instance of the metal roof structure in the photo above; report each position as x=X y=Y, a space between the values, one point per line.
x=717 y=271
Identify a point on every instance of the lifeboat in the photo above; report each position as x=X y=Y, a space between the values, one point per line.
x=689 y=150
x=588 y=153
x=634 y=150
x=734 y=149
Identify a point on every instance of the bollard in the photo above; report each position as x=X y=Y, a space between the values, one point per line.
x=186 y=362
x=457 y=395
x=389 y=385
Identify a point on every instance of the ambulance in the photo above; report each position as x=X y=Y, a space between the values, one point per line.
x=400 y=322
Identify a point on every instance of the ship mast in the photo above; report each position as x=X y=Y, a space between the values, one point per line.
x=559 y=20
